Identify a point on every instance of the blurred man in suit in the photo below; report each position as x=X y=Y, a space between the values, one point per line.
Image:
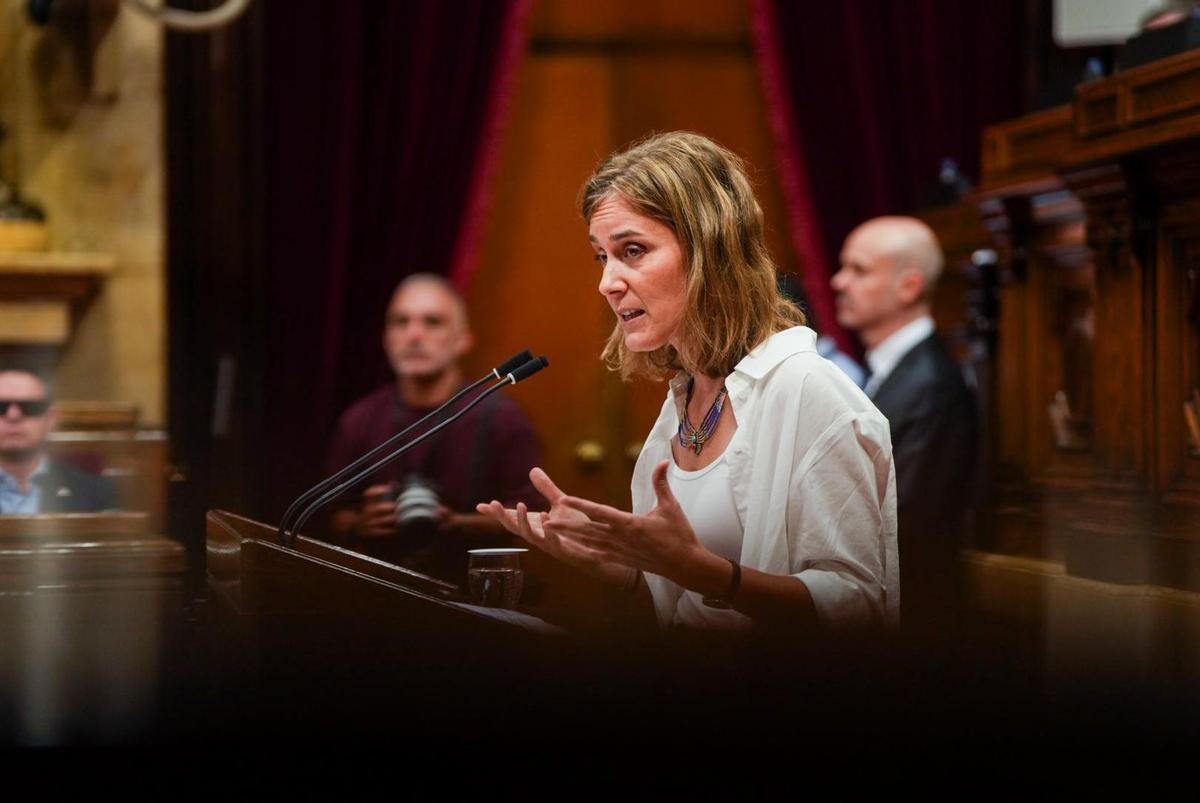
x=31 y=482
x=889 y=268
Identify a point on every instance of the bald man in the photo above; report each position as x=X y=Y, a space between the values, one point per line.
x=486 y=454
x=889 y=269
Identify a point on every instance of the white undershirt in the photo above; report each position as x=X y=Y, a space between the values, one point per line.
x=706 y=497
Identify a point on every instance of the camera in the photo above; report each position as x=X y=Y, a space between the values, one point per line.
x=418 y=510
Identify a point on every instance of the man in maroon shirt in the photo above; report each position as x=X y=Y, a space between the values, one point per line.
x=486 y=454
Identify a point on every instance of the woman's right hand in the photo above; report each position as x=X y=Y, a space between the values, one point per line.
x=530 y=527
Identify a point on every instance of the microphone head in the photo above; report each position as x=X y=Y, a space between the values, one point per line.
x=529 y=369
x=512 y=363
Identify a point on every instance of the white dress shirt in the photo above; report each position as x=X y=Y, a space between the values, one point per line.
x=883 y=358
x=811 y=469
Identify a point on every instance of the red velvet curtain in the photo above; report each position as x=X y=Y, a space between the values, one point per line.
x=866 y=97
x=381 y=120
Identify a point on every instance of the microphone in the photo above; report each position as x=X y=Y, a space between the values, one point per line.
x=499 y=372
x=527 y=370
x=328 y=494
x=512 y=363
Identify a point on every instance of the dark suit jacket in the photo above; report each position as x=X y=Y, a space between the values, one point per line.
x=935 y=433
x=67 y=489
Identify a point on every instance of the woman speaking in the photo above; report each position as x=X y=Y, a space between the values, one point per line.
x=765 y=492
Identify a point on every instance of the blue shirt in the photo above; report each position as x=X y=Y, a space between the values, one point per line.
x=14 y=501
x=828 y=349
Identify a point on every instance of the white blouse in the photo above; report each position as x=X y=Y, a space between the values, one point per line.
x=811 y=472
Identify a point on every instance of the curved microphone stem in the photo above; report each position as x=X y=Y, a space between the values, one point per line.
x=289 y=535
x=289 y=515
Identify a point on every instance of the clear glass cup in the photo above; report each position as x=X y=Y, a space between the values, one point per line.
x=494 y=576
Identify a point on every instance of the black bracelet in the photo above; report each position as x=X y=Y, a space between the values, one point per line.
x=726 y=601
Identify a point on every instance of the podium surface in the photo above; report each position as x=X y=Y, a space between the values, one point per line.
x=336 y=602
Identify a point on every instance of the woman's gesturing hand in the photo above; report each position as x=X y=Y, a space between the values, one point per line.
x=538 y=529
x=662 y=541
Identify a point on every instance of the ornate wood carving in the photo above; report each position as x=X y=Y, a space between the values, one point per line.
x=1128 y=161
x=1181 y=223
x=1025 y=151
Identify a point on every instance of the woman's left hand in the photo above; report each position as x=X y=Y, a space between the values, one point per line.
x=662 y=542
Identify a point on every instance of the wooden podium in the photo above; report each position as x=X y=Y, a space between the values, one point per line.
x=320 y=638
x=257 y=579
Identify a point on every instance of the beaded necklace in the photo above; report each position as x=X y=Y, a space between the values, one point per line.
x=694 y=438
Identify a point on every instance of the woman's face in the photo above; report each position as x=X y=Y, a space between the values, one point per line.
x=643 y=277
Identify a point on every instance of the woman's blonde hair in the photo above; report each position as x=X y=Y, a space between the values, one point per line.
x=701 y=191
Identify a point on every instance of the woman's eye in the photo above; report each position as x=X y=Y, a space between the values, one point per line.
x=633 y=251
x=602 y=258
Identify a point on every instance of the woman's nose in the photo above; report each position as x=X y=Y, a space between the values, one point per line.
x=610 y=282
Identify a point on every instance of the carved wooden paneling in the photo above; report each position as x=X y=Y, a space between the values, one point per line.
x=1008 y=224
x=1025 y=149
x=1045 y=337
x=1097 y=112
x=1134 y=110
x=1011 y=422
x=1177 y=332
x=1060 y=400
x=1100 y=241
x=1139 y=97
x=1123 y=344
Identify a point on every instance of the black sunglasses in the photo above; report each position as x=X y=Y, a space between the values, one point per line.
x=28 y=407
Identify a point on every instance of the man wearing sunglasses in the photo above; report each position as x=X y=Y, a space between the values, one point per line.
x=31 y=482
